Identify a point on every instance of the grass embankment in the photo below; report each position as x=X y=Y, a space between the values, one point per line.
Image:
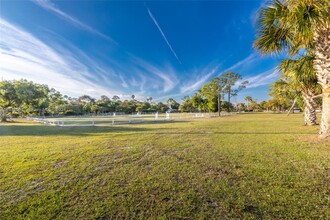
x=243 y=166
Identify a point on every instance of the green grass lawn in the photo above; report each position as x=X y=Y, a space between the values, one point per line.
x=248 y=166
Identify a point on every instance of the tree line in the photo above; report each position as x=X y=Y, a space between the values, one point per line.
x=26 y=98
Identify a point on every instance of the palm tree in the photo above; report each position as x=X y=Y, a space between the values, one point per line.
x=284 y=92
x=293 y=25
x=301 y=76
x=249 y=101
x=149 y=99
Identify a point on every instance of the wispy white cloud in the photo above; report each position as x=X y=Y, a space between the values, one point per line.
x=162 y=33
x=48 y=5
x=197 y=84
x=143 y=82
x=164 y=78
x=246 y=61
x=263 y=78
x=169 y=82
x=23 y=55
x=260 y=79
x=167 y=75
x=123 y=81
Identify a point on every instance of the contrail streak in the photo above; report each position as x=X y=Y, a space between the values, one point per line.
x=162 y=33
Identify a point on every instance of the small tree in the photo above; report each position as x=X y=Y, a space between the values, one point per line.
x=199 y=102
x=32 y=98
x=8 y=97
x=230 y=79
x=172 y=104
x=115 y=98
x=213 y=92
x=186 y=105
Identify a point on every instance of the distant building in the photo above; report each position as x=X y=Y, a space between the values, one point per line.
x=296 y=110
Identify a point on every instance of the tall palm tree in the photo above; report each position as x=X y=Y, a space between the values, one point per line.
x=249 y=101
x=293 y=25
x=283 y=92
x=301 y=76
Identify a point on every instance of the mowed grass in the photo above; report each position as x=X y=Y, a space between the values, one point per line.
x=250 y=166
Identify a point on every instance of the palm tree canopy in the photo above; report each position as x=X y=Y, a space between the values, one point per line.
x=282 y=89
x=300 y=73
x=290 y=24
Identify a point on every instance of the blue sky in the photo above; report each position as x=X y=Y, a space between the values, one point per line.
x=155 y=48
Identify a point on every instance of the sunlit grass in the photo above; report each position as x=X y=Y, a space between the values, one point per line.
x=243 y=166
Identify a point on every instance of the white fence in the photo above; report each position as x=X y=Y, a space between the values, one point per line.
x=87 y=121
x=122 y=119
x=94 y=121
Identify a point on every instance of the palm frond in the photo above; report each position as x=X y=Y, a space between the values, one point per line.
x=300 y=72
x=273 y=32
x=290 y=24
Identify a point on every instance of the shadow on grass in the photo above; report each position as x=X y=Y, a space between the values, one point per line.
x=9 y=122
x=235 y=132
x=36 y=129
x=30 y=130
x=127 y=130
x=25 y=128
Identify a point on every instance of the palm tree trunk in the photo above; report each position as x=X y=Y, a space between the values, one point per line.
x=11 y=114
x=325 y=119
x=229 y=93
x=219 y=104
x=293 y=104
x=322 y=67
x=310 y=114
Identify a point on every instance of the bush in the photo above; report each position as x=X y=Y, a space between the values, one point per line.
x=69 y=112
